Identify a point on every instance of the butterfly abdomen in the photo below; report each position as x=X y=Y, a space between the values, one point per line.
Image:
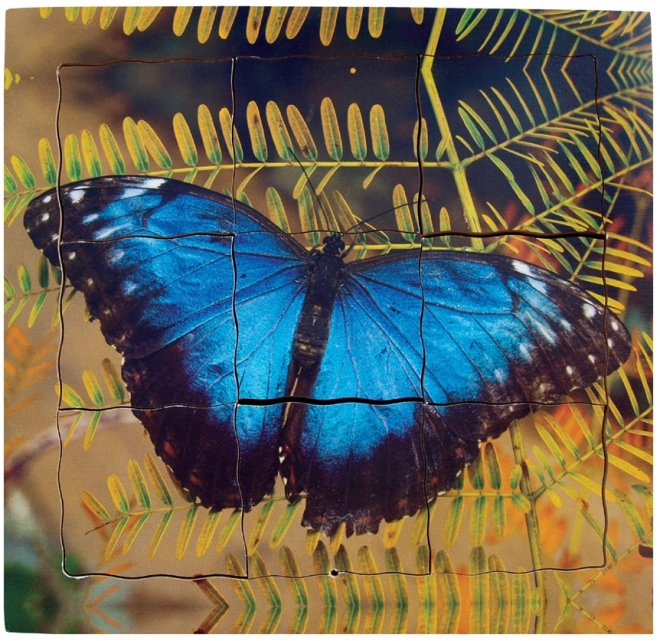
x=313 y=329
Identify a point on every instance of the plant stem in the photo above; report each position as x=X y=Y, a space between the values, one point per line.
x=533 y=530
x=457 y=168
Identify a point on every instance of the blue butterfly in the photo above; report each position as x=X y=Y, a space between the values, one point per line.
x=367 y=385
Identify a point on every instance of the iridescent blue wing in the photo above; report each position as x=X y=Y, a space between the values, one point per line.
x=500 y=337
x=155 y=261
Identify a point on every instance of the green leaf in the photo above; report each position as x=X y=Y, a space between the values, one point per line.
x=184 y=140
x=276 y=209
x=477 y=521
x=135 y=530
x=139 y=484
x=376 y=20
x=278 y=131
x=353 y=21
x=276 y=17
x=146 y=17
x=472 y=128
x=259 y=527
x=550 y=444
x=159 y=533
x=255 y=16
x=493 y=466
x=112 y=380
x=398 y=591
x=114 y=537
x=229 y=133
x=499 y=516
x=500 y=595
x=131 y=16
x=307 y=215
x=423 y=142
x=331 y=133
x=327 y=585
x=70 y=397
x=476 y=472
x=95 y=507
x=154 y=145
x=521 y=503
x=284 y=523
x=427 y=593
x=181 y=19
x=228 y=529
x=347 y=579
x=301 y=132
x=92 y=387
x=47 y=162
x=292 y=573
x=157 y=480
x=23 y=172
x=185 y=531
x=36 y=308
x=208 y=532
x=111 y=150
x=328 y=22
x=380 y=139
x=521 y=602
x=450 y=594
x=297 y=18
x=512 y=181
x=72 y=159
x=479 y=588
x=227 y=18
x=135 y=144
x=10 y=183
x=90 y=154
x=454 y=520
x=404 y=220
x=209 y=134
x=106 y=16
x=205 y=24
x=356 y=133
x=118 y=493
x=91 y=430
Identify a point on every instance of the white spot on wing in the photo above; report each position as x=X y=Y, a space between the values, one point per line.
x=569 y=370
x=153 y=183
x=592 y=358
x=588 y=310
x=522 y=268
x=115 y=255
x=538 y=286
x=76 y=195
x=47 y=199
x=129 y=287
x=45 y=217
x=133 y=193
x=524 y=350
x=90 y=218
x=610 y=343
x=615 y=326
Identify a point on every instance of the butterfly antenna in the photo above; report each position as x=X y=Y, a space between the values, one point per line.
x=313 y=188
x=382 y=213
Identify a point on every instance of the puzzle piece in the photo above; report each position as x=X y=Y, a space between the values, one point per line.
x=539 y=172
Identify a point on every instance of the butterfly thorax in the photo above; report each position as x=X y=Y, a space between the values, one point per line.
x=325 y=273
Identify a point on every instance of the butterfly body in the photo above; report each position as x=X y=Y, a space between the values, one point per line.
x=367 y=385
